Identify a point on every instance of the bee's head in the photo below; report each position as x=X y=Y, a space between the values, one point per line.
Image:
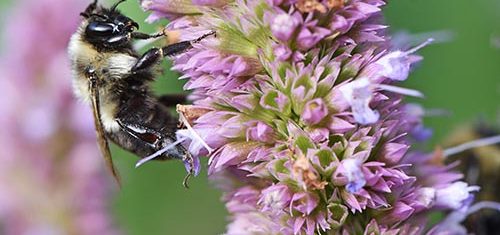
x=108 y=28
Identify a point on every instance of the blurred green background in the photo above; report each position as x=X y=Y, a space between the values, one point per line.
x=461 y=76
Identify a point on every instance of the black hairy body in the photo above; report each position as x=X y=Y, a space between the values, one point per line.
x=111 y=76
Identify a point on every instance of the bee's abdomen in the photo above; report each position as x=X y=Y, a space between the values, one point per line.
x=149 y=135
x=150 y=122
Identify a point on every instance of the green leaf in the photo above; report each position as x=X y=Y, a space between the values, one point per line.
x=326 y=157
x=234 y=41
x=339 y=214
x=304 y=143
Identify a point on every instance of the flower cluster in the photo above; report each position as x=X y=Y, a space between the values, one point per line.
x=305 y=126
x=51 y=176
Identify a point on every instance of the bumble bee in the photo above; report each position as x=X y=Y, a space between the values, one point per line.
x=114 y=79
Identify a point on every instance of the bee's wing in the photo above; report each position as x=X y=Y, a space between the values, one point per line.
x=101 y=138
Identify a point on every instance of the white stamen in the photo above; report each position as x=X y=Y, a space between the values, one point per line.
x=418 y=47
x=437 y=113
x=417 y=110
x=401 y=90
x=158 y=153
x=456 y=217
x=210 y=160
x=483 y=205
x=439 y=36
x=472 y=144
x=194 y=133
x=185 y=76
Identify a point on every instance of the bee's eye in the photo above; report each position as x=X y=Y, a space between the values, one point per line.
x=101 y=29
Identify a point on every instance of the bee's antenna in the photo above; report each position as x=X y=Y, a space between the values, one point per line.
x=90 y=8
x=113 y=8
x=472 y=144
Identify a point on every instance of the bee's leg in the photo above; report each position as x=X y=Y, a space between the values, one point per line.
x=118 y=38
x=180 y=47
x=90 y=8
x=172 y=100
x=154 y=55
x=154 y=140
x=148 y=59
x=144 y=134
x=144 y=36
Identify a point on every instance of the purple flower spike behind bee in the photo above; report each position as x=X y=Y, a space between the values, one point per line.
x=51 y=176
x=304 y=120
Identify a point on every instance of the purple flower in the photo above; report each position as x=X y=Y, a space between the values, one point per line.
x=306 y=119
x=452 y=224
x=415 y=113
x=359 y=94
x=259 y=131
x=51 y=177
x=252 y=223
x=314 y=111
x=396 y=65
x=425 y=196
x=275 y=198
x=212 y=3
x=283 y=26
x=375 y=228
x=170 y=8
x=351 y=170
x=455 y=195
